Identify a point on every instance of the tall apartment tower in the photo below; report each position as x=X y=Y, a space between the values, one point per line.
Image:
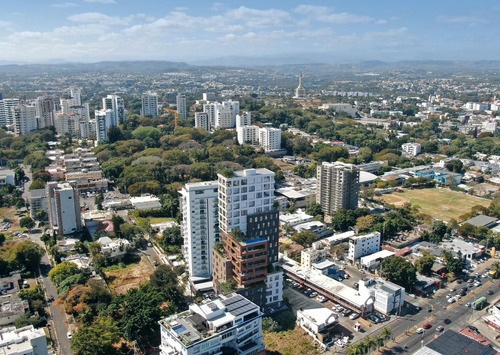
x=6 y=112
x=249 y=227
x=270 y=138
x=248 y=135
x=45 y=112
x=64 y=208
x=76 y=93
x=338 y=187
x=116 y=104
x=199 y=204
x=149 y=104
x=201 y=120
x=225 y=114
x=181 y=106
x=24 y=119
x=243 y=119
x=209 y=109
x=104 y=119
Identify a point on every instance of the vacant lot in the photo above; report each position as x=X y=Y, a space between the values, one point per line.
x=154 y=220
x=438 y=203
x=8 y=213
x=123 y=279
x=290 y=342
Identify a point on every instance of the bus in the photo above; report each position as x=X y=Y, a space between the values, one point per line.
x=479 y=303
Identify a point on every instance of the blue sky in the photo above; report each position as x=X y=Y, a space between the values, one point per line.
x=342 y=31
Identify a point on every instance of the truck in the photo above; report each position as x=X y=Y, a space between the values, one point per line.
x=479 y=303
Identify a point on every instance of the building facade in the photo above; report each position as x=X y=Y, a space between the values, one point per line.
x=116 y=104
x=24 y=119
x=362 y=245
x=388 y=297
x=26 y=341
x=6 y=111
x=149 y=104
x=248 y=135
x=411 y=149
x=199 y=227
x=338 y=186
x=181 y=106
x=270 y=139
x=64 y=208
x=201 y=120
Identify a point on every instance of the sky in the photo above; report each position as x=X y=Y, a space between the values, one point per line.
x=190 y=31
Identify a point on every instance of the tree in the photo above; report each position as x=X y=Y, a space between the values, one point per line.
x=425 y=263
x=97 y=338
x=365 y=223
x=37 y=185
x=41 y=215
x=455 y=166
x=305 y=238
x=62 y=271
x=386 y=333
x=25 y=255
x=163 y=276
x=269 y=325
x=172 y=236
x=400 y=271
x=314 y=209
x=27 y=222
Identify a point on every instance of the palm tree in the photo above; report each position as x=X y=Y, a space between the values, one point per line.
x=495 y=269
x=370 y=343
x=386 y=333
x=353 y=349
x=380 y=341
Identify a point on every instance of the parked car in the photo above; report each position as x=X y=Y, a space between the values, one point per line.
x=420 y=330
x=313 y=294
x=321 y=299
x=452 y=289
x=474 y=329
x=427 y=325
x=448 y=295
x=452 y=300
x=489 y=292
x=354 y=316
x=439 y=328
x=467 y=304
x=69 y=335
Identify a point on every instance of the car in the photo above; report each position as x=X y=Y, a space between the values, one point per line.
x=346 y=312
x=489 y=292
x=452 y=300
x=457 y=297
x=448 y=295
x=321 y=299
x=295 y=285
x=470 y=281
x=467 y=304
x=427 y=325
x=289 y=281
x=313 y=294
x=477 y=283
x=354 y=316
x=452 y=289
x=307 y=292
x=420 y=330
x=429 y=309
x=446 y=321
x=439 y=328
x=69 y=335
x=474 y=329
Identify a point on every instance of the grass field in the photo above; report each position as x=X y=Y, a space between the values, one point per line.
x=290 y=342
x=439 y=203
x=154 y=220
x=123 y=279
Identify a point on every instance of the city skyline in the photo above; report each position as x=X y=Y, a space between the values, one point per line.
x=195 y=31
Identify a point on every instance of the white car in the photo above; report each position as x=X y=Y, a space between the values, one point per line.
x=452 y=300
x=420 y=330
x=69 y=335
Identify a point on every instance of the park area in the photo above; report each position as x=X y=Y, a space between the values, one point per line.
x=443 y=204
x=123 y=278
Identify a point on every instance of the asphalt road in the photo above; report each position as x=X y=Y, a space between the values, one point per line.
x=60 y=326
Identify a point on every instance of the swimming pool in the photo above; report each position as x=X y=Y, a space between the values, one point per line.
x=179 y=329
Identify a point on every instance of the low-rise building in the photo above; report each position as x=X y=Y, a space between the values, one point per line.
x=318 y=323
x=374 y=260
x=114 y=248
x=145 y=202
x=362 y=245
x=293 y=219
x=229 y=324
x=315 y=227
x=301 y=197
x=23 y=341
x=411 y=149
x=7 y=177
x=388 y=296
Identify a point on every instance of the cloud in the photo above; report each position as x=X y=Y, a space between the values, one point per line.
x=98 y=18
x=65 y=4
x=218 y=6
x=344 y=18
x=259 y=18
x=5 y=24
x=312 y=9
x=102 y=1
x=180 y=8
x=469 y=20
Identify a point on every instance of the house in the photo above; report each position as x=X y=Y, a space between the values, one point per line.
x=318 y=323
x=374 y=260
x=26 y=340
x=114 y=248
x=7 y=177
x=388 y=296
x=145 y=202
x=315 y=227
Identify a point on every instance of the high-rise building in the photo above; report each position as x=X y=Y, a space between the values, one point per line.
x=24 y=119
x=67 y=123
x=225 y=114
x=149 y=104
x=270 y=138
x=76 y=93
x=248 y=135
x=201 y=120
x=199 y=205
x=181 y=106
x=209 y=109
x=45 y=111
x=6 y=112
x=300 y=91
x=249 y=227
x=228 y=325
x=64 y=208
x=338 y=186
x=209 y=96
x=104 y=119
x=116 y=104
x=244 y=119
x=38 y=201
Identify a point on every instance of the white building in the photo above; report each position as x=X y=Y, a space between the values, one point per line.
x=317 y=252
x=38 y=200
x=315 y=227
x=300 y=91
x=374 y=260
x=293 y=219
x=225 y=114
x=6 y=112
x=181 y=106
x=388 y=297
x=232 y=322
x=116 y=104
x=114 y=248
x=67 y=102
x=201 y=120
x=347 y=108
x=145 y=202
x=23 y=341
x=209 y=109
x=318 y=322
x=244 y=119
x=76 y=93
x=248 y=135
x=45 y=111
x=7 y=177
x=64 y=207
x=24 y=119
x=67 y=123
x=362 y=245
x=209 y=96
x=104 y=119
x=338 y=186
x=149 y=104
x=270 y=138
x=411 y=149
x=199 y=227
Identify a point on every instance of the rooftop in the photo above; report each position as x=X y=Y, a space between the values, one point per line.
x=378 y=255
x=452 y=343
x=482 y=221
